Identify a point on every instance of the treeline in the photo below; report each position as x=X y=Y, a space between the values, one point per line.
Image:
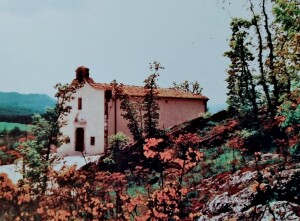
x=19 y=110
x=264 y=54
x=23 y=119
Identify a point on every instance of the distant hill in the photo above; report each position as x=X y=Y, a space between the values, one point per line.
x=214 y=108
x=15 y=104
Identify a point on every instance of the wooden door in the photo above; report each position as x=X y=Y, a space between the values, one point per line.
x=79 y=143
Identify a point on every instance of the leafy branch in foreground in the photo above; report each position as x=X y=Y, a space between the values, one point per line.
x=46 y=131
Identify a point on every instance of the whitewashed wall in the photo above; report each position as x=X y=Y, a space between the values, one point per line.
x=93 y=113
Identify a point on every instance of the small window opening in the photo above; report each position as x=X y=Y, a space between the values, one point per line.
x=79 y=103
x=108 y=95
x=92 y=141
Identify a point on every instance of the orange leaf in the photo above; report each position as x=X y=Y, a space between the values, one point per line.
x=40 y=210
x=110 y=205
x=184 y=191
x=179 y=161
x=254 y=186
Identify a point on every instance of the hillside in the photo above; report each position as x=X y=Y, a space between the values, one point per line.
x=214 y=108
x=238 y=174
x=14 y=104
x=4 y=126
x=240 y=164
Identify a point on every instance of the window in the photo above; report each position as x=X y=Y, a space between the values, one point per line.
x=92 y=141
x=108 y=94
x=79 y=103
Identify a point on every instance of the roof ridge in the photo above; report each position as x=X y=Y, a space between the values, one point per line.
x=138 y=91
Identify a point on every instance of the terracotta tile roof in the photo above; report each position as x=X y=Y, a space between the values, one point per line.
x=162 y=92
x=138 y=91
x=100 y=86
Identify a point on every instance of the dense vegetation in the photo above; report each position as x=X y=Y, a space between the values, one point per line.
x=22 y=119
x=11 y=126
x=16 y=112
x=239 y=164
x=10 y=133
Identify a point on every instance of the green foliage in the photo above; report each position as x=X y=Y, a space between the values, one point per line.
x=142 y=115
x=14 y=104
x=36 y=152
x=287 y=13
x=135 y=190
x=6 y=158
x=11 y=126
x=288 y=120
x=118 y=139
x=241 y=85
x=35 y=165
x=163 y=181
x=263 y=68
x=22 y=119
x=116 y=143
x=228 y=161
x=16 y=132
x=150 y=105
x=290 y=108
x=9 y=138
x=292 y=115
x=219 y=160
x=255 y=139
x=205 y=115
x=129 y=111
x=186 y=86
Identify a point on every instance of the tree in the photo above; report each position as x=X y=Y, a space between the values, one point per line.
x=186 y=86
x=287 y=15
x=173 y=162
x=151 y=107
x=46 y=130
x=274 y=50
x=16 y=201
x=263 y=78
x=241 y=85
x=129 y=111
x=116 y=144
x=142 y=117
x=288 y=120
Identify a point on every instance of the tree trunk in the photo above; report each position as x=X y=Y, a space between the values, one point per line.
x=271 y=56
x=262 y=81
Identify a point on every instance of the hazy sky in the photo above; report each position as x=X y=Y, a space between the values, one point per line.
x=43 y=41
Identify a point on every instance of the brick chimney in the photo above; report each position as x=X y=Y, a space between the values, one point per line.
x=82 y=73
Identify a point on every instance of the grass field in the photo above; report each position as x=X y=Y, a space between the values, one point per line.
x=10 y=126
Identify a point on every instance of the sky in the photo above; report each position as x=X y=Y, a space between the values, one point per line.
x=42 y=42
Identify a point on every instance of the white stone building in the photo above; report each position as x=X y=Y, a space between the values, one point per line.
x=96 y=114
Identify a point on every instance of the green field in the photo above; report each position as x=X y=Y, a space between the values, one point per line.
x=10 y=126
